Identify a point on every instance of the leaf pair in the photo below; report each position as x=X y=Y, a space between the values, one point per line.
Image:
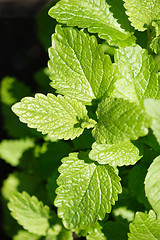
x=79 y=69
x=97 y=16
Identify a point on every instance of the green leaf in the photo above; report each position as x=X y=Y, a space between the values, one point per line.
x=10 y=185
x=29 y=212
x=23 y=181
x=59 y=116
x=156 y=25
x=152 y=185
x=64 y=234
x=120 y=120
x=78 y=65
x=25 y=236
x=12 y=150
x=118 y=154
x=86 y=191
x=94 y=15
x=155 y=45
x=142 y=12
x=137 y=76
x=12 y=90
x=58 y=232
x=145 y=226
x=123 y=213
x=152 y=107
x=95 y=233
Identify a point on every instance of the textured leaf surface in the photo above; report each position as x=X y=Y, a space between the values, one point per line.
x=142 y=12
x=86 y=191
x=118 y=154
x=59 y=116
x=94 y=15
x=96 y=233
x=29 y=212
x=155 y=45
x=12 y=150
x=152 y=185
x=120 y=120
x=152 y=107
x=156 y=25
x=137 y=76
x=78 y=65
x=145 y=227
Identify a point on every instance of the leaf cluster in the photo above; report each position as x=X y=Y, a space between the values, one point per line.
x=102 y=120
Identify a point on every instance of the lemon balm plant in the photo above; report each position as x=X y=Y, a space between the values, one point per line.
x=103 y=65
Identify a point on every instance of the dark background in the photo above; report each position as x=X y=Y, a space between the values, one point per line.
x=21 y=53
x=20 y=50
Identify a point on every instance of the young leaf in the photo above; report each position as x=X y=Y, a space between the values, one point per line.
x=156 y=25
x=12 y=150
x=58 y=232
x=118 y=154
x=10 y=185
x=86 y=191
x=152 y=107
x=120 y=120
x=142 y=12
x=155 y=45
x=145 y=226
x=12 y=90
x=95 y=233
x=137 y=74
x=152 y=186
x=94 y=15
x=25 y=236
x=30 y=213
x=78 y=65
x=59 y=116
x=122 y=212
